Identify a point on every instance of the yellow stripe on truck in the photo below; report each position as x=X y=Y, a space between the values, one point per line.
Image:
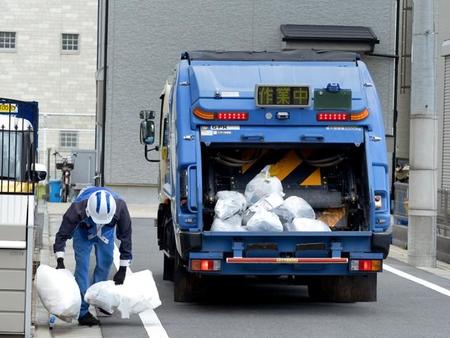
x=314 y=179
x=286 y=165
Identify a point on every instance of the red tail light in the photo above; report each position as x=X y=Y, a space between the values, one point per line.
x=205 y=265
x=322 y=116
x=232 y=116
x=371 y=265
x=221 y=116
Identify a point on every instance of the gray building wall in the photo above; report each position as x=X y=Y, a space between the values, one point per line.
x=146 y=38
x=442 y=26
x=404 y=81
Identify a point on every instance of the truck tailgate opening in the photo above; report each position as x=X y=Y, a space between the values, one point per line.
x=332 y=178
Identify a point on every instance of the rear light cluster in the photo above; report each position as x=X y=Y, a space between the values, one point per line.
x=206 y=264
x=340 y=116
x=333 y=116
x=232 y=116
x=243 y=116
x=369 y=265
x=221 y=116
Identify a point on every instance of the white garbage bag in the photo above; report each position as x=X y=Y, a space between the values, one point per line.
x=267 y=203
x=230 y=224
x=59 y=292
x=262 y=185
x=137 y=294
x=307 y=224
x=103 y=295
x=294 y=207
x=229 y=203
x=264 y=221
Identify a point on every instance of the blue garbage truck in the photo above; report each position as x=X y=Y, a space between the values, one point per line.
x=313 y=117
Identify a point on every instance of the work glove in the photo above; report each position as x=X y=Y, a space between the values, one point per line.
x=119 y=277
x=60 y=263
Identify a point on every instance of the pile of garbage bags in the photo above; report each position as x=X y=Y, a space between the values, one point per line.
x=59 y=292
x=137 y=294
x=262 y=207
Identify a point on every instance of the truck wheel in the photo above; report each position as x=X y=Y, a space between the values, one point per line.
x=169 y=267
x=186 y=285
x=344 y=289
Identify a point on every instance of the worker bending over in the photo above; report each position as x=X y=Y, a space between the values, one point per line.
x=91 y=220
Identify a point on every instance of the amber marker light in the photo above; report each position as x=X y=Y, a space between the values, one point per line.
x=360 y=116
x=204 y=115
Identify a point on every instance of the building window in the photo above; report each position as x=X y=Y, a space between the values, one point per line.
x=7 y=40
x=68 y=139
x=70 y=42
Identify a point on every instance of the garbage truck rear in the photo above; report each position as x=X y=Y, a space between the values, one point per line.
x=311 y=119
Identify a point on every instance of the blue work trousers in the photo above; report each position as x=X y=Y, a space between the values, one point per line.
x=104 y=253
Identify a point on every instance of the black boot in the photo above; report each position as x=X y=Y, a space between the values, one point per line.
x=88 y=320
x=104 y=312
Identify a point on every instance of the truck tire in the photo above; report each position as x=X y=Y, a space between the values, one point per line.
x=344 y=289
x=168 y=268
x=186 y=285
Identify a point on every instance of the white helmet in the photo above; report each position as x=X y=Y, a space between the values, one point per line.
x=101 y=207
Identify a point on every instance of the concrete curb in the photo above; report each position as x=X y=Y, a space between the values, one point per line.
x=442 y=269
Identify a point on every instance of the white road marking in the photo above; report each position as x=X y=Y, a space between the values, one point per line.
x=417 y=280
x=149 y=319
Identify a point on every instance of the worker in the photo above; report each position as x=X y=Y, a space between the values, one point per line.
x=90 y=221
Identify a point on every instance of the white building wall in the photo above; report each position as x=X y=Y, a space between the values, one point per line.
x=146 y=39
x=63 y=84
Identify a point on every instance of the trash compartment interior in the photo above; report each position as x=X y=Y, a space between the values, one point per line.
x=332 y=178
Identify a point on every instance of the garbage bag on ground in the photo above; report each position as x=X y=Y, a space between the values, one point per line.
x=229 y=203
x=262 y=185
x=137 y=294
x=59 y=292
x=265 y=221
x=267 y=203
x=103 y=295
x=294 y=207
x=307 y=224
x=230 y=224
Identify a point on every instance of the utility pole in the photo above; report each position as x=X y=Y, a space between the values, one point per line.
x=423 y=139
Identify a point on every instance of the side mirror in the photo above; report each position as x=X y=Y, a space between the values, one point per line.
x=39 y=173
x=147 y=132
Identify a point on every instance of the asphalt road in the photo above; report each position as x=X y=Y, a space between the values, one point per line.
x=245 y=309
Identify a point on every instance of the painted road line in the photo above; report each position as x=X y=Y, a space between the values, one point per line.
x=417 y=280
x=149 y=319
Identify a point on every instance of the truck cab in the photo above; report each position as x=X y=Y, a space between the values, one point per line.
x=315 y=119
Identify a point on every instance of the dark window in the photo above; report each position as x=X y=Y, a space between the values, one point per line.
x=7 y=40
x=70 y=42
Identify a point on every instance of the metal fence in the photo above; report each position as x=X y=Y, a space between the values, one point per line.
x=17 y=158
x=401 y=208
x=401 y=203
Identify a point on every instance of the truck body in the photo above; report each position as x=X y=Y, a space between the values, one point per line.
x=18 y=175
x=316 y=119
